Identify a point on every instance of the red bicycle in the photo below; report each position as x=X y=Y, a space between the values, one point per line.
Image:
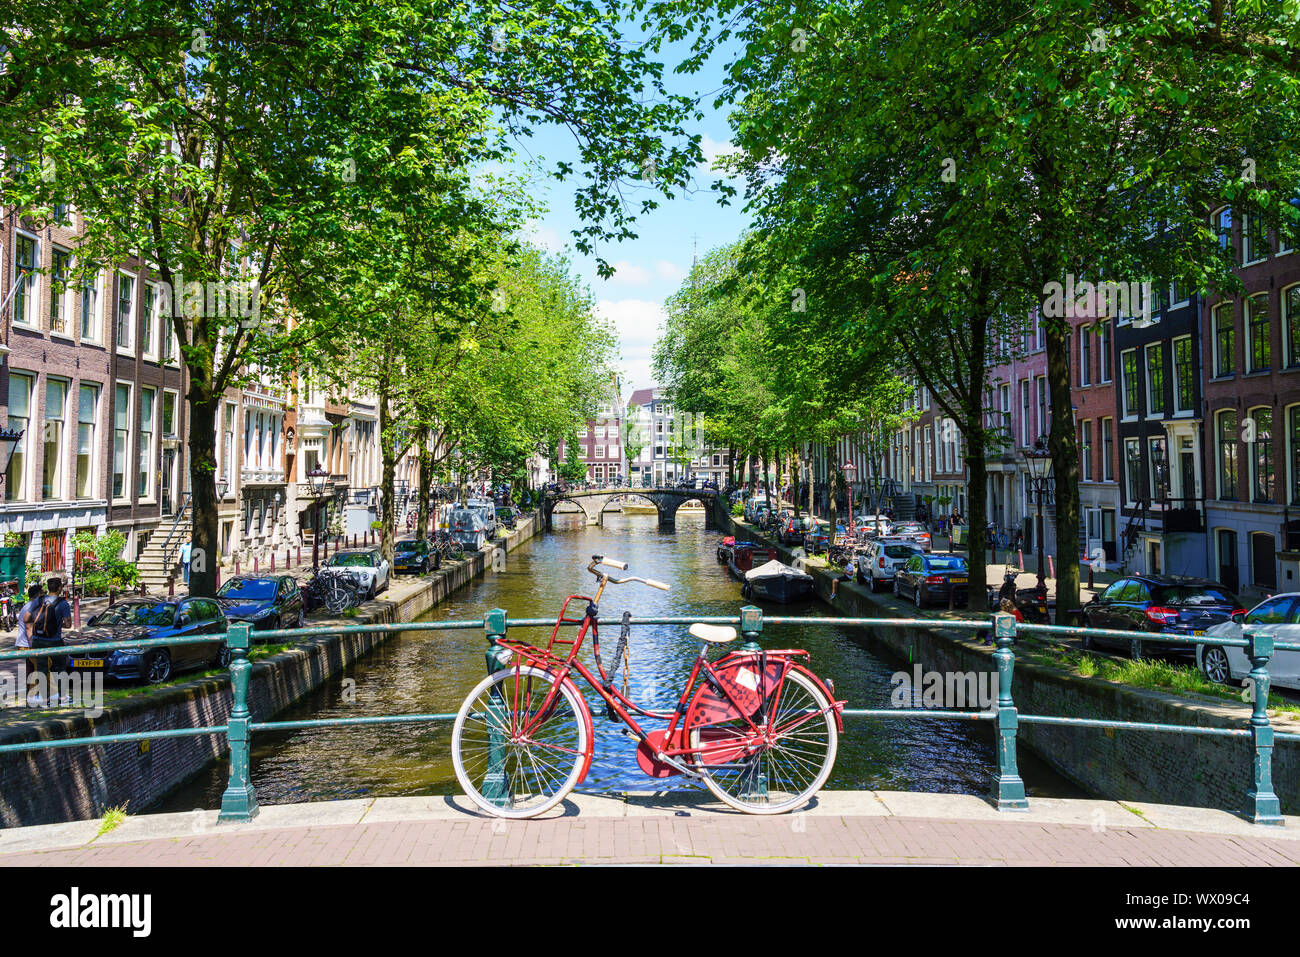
x=757 y=728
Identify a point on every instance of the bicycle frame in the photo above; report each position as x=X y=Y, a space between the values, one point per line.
x=622 y=706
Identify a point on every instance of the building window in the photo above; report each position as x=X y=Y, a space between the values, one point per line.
x=56 y=400
x=125 y=305
x=1227 y=430
x=1291 y=325
x=1184 y=375
x=1260 y=449
x=1043 y=427
x=1024 y=413
x=144 y=481
x=1133 y=469
x=60 y=268
x=228 y=446
x=1159 y=465
x=148 y=335
x=1103 y=349
x=20 y=418
x=26 y=261
x=87 y=403
x=1258 y=352
x=121 y=438
x=1223 y=227
x=1085 y=445
x=1155 y=378
x=1254 y=240
x=1223 y=340
x=1108 y=449
x=1293 y=451
x=1129 y=370
x=1085 y=356
x=90 y=307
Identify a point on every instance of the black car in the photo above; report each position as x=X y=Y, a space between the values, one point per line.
x=414 y=557
x=143 y=618
x=265 y=601
x=1161 y=604
x=932 y=577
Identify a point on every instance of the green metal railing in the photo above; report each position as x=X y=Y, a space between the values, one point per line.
x=239 y=801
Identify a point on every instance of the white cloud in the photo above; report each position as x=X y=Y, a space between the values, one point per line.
x=667 y=270
x=638 y=323
x=544 y=237
x=712 y=149
x=630 y=273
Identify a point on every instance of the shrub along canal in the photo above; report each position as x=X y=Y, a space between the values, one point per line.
x=420 y=672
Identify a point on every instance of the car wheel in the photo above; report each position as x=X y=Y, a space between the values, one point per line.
x=223 y=656
x=300 y=622
x=1214 y=662
x=374 y=590
x=897 y=590
x=916 y=597
x=158 y=667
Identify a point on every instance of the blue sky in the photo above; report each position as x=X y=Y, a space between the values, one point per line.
x=651 y=267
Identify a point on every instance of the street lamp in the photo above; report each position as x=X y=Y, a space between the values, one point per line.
x=848 y=468
x=1039 y=461
x=316 y=477
x=9 y=439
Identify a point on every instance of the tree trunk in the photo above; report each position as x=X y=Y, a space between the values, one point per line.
x=794 y=479
x=1065 y=466
x=812 y=486
x=205 y=555
x=387 y=446
x=425 y=485
x=973 y=432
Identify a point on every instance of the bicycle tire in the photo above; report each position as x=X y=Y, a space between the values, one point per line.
x=792 y=769
x=338 y=597
x=524 y=767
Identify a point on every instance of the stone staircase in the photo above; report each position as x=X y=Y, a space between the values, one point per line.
x=904 y=507
x=167 y=538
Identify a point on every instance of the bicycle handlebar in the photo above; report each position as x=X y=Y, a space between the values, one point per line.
x=613 y=563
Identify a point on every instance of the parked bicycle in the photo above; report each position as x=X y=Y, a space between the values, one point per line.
x=336 y=589
x=9 y=604
x=759 y=730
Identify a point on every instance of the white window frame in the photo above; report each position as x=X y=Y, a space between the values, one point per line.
x=1130 y=415
x=133 y=319
x=150 y=343
x=64 y=299
x=61 y=478
x=128 y=471
x=151 y=473
x=32 y=300
x=94 y=471
x=96 y=286
x=1248 y=257
x=1107 y=461
x=1173 y=367
x=1085 y=355
x=25 y=483
x=1105 y=369
x=1085 y=447
x=1289 y=361
x=1151 y=397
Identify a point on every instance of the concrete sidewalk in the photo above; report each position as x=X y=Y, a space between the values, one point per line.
x=678 y=827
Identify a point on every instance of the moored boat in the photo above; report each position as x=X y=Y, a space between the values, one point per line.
x=724 y=549
x=776 y=581
x=745 y=555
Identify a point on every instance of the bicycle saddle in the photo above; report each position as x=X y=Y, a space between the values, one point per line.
x=718 y=634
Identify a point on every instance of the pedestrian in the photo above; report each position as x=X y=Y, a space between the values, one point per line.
x=186 y=551
x=24 y=640
x=52 y=615
x=850 y=573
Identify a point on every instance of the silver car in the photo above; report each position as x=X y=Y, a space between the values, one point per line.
x=367 y=565
x=880 y=559
x=1229 y=665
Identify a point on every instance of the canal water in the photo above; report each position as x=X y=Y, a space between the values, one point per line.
x=422 y=672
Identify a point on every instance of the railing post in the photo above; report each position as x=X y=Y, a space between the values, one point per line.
x=1009 y=789
x=754 y=785
x=1262 y=805
x=495 y=787
x=239 y=802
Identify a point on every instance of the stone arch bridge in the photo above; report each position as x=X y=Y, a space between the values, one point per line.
x=665 y=500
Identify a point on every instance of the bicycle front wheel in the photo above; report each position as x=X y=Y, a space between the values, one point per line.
x=780 y=776
x=338 y=597
x=510 y=761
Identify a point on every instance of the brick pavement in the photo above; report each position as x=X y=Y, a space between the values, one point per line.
x=845 y=828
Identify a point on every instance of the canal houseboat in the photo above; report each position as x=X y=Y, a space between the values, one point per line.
x=778 y=582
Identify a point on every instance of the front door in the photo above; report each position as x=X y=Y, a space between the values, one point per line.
x=1228 y=559
x=1108 y=534
x=1263 y=559
x=168 y=476
x=1187 y=469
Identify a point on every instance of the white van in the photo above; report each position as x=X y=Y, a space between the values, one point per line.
x=467 y=528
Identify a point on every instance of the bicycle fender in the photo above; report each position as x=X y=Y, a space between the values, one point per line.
x=836 y=706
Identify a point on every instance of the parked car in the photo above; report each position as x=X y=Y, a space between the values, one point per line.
x=1227 y=664
x=265 y=601
x=755 y=502
x=1160 y=604
x=505 y=516
x=880 y=559
x=487 y=510
x=817 y=536
x=791 y=531
x=914 y=531
x=414 y=557
x=367 y=565
x=878 y=525
x=467 y=528
x=933 y=577
x=140 y=619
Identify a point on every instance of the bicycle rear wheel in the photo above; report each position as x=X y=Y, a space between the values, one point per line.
x=502 y=769
x=338 y=596
x=778 y=777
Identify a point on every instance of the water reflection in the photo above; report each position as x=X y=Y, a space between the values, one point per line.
x=433 y=671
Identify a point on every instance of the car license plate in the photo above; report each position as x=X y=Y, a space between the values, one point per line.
x=87 y=662
x=1198 y=631
x=958 y=581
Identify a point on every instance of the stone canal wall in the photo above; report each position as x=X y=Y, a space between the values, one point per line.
x=1147 y=766
x=74 y=783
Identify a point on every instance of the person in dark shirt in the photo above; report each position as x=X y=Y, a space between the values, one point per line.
x=48 y=622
